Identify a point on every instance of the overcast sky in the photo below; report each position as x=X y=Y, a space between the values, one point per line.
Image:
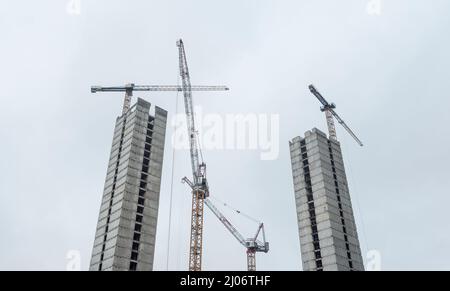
x=387 y=73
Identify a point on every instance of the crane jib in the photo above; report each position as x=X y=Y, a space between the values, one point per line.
x=329 y=112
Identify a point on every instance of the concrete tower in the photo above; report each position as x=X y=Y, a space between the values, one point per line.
x=327 y=229
x=126 y=229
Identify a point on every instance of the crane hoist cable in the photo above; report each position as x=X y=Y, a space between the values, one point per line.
x=235 y=210
x=171 y=184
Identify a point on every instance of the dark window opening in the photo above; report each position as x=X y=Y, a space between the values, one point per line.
x=318 y=255
x=315 y=237
x=140 y=209
x=143 y=185
x=138 y=227
x=316 y=246
x=136 y=236
x=134 y=256
x=145 y=169
x=139 y=218
x=141 y=192
x=135 y=246
x=319 y=264
x=141 y=201
x=146 y=162
x=133 y=266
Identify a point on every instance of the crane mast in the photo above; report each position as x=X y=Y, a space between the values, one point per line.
x=199 y=184
x=200 y=188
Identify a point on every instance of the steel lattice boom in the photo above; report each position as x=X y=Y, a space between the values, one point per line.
x=199 y=184
x=328 y=108
x=252 y=245
x=129 y=88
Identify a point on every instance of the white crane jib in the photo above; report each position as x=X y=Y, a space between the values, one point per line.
x=199 y=184
x=328 y=108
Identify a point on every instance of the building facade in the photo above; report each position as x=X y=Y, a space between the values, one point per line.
x=327 y=230
x=126 y=228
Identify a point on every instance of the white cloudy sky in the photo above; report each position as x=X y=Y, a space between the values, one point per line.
x=388 y=74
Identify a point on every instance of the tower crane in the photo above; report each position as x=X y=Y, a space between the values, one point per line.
x=328 y=108
x=199 y=183
x=129 y=88
x=252 y=244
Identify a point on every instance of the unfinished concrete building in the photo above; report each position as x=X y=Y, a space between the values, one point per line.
x=327 y=230
x=126 y=229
